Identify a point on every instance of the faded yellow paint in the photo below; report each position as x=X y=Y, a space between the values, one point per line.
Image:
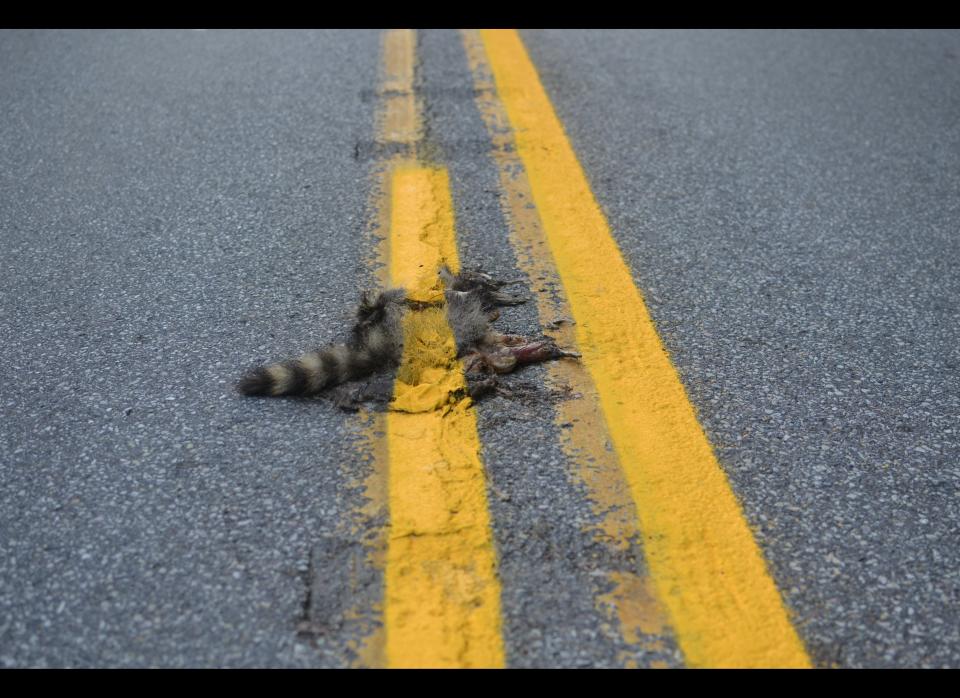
x=637 y=607
x=442 y=600
x=579 y=418
x=708 y=571
x=399 y=124
x=401 y=120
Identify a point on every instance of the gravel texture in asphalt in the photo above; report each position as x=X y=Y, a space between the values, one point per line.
x=176 y=206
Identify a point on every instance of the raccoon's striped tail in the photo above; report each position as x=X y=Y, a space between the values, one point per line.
x=314 y=372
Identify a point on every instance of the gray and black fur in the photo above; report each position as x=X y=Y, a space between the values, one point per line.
x=376 y=341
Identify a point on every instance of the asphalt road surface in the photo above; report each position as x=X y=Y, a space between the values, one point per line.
x=176 y=206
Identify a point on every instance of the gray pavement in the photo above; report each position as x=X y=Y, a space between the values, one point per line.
x=176 y=206
x=790 y=204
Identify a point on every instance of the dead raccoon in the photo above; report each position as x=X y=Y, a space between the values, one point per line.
x=376 y=342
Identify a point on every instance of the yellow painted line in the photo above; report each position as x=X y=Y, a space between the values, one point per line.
x=421 y=231
x=442 y=601
x=708 y=571
x=401 y=122
x=630 y=605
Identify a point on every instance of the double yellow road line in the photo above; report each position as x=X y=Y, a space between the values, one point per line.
x=442 y=593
